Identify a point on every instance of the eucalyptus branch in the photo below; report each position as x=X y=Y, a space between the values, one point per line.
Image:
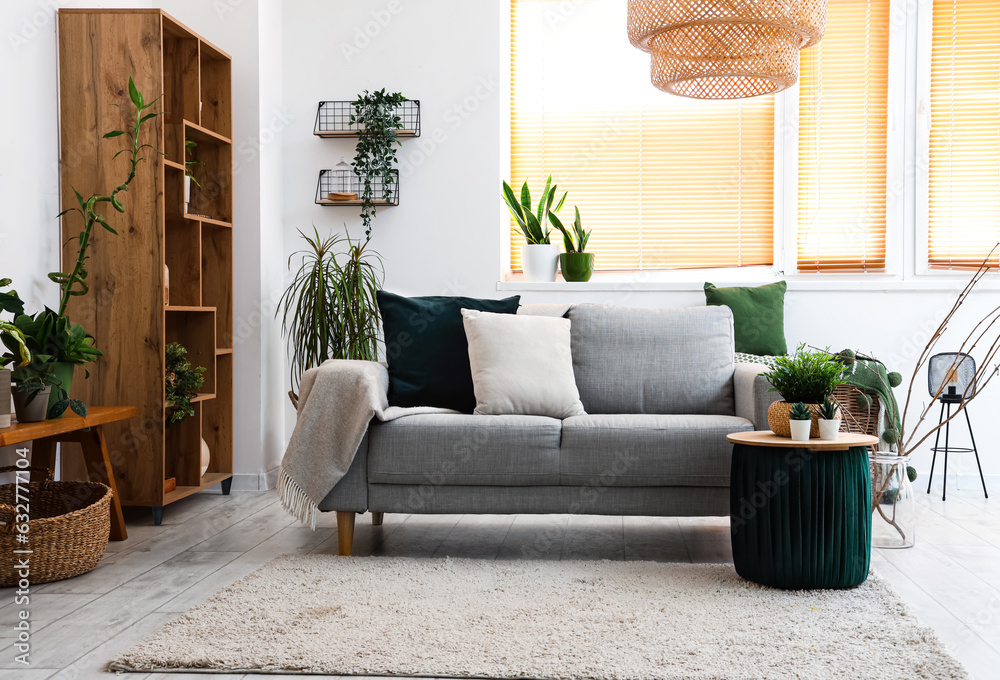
x=74 y=283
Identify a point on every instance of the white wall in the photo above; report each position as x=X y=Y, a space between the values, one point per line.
x=444 y=238
x=249 y=30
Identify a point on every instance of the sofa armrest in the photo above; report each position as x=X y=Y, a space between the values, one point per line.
x=752 y=395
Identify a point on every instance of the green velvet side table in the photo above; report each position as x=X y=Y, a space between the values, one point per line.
x=800 y=511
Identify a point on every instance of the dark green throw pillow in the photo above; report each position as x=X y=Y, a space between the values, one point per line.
x=758 y=315
x=426 y=348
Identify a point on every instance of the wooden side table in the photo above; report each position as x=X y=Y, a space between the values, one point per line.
x=800 y=511
x=85 y=431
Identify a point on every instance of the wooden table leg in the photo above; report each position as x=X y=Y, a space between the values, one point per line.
x=43 y=453
x=95 y=454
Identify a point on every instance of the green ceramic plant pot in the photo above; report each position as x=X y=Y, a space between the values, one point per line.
x=64 y=373
x=577 y=266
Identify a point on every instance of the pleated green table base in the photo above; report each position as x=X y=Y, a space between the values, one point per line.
x=801 y=519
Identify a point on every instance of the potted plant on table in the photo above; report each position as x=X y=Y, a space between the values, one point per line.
x=576 y=265
x=539 y=256
x=806 y=377
x=829 y=420
x=800 y=422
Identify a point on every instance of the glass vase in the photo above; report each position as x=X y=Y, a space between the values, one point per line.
x=894 y=519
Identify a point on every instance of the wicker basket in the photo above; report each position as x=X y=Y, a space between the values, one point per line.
x=854 y=417
x=777 y=419
x=67 y=533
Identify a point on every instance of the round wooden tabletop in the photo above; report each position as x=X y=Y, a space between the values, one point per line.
x=846 y=440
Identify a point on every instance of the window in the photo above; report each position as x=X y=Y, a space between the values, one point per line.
x=843 y=112
x=963 y=215
x=665 y=182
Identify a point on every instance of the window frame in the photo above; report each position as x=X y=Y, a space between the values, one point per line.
x=906 y=209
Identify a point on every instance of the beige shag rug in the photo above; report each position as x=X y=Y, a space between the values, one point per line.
x=566 y=620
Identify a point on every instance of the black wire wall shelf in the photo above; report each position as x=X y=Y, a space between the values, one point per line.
x=333 y=119
x=343 y=187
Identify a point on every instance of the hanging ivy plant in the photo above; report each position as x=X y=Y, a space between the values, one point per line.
x=375 y=116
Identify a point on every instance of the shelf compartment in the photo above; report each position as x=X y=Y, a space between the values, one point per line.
x=183 y=257
x=217 y=279
x=194 y=328
x=182 y=454
x=216 y=93
x=214 y=198
x=180 y=75
x=331 y=181
x=333 y=119
x=217 y=418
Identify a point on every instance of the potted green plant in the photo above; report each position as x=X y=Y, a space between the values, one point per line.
x=11 y=336
x=800 y=422
x=182 y=383
x=829 y=420
x=49 y=334
x=376 y=117
x=806 y=377
x=539 y=256
x=329 y=311
x=576 y=265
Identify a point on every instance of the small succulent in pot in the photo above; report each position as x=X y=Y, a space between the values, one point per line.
x=829 y=420
x=539 y=256
x=800 y=421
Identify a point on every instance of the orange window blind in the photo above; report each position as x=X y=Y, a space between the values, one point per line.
x=843 y=112
x=964 y=155
x=664 y=182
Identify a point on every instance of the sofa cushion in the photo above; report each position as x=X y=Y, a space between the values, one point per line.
x=427 y=351
x=758 y=316
x=637 y=360
x=447 y=449
x=647 y=450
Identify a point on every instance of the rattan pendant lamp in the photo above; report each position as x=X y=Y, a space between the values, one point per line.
x=725 y=49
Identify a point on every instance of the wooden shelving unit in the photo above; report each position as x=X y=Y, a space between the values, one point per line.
x=126 y=309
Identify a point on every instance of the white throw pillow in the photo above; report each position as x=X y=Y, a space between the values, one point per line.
x=521 y=365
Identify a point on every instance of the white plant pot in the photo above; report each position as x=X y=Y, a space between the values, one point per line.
x=540 y=261
x=829 y=430
x=800 y=429
x=187 y=194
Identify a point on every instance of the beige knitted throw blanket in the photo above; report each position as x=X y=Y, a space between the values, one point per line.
x=337 y=401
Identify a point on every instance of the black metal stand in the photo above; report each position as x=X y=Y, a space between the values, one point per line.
x=945 y=415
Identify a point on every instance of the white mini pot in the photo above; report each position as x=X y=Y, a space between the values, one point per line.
x=540 y=261
x=829 y=430
x=800 y=429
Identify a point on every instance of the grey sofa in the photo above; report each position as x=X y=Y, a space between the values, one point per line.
x=661 y=390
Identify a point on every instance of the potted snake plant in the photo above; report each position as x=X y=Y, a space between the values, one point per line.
x=539 y=256
x=576 y=265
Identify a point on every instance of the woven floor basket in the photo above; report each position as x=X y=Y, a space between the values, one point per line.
x=67 y=530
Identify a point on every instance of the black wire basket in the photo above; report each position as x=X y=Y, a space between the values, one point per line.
x=340 y=187
x=333 y=119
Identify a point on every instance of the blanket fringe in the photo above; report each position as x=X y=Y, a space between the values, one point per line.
x=295 y=500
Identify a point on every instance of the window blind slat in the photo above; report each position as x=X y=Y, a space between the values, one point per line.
x=964 y=151
x=664 y=182
x=843 y=113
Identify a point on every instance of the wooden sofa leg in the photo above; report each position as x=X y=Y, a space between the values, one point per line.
x=345 y=532
x=376 y=519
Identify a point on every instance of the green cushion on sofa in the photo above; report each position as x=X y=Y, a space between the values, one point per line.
x=426 y=348
x=758 y=314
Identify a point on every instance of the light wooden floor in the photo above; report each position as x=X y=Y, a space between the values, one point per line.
x=951 y=579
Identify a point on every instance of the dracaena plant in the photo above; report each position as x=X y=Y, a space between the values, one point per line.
x=575 y=241
x=534 y=223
